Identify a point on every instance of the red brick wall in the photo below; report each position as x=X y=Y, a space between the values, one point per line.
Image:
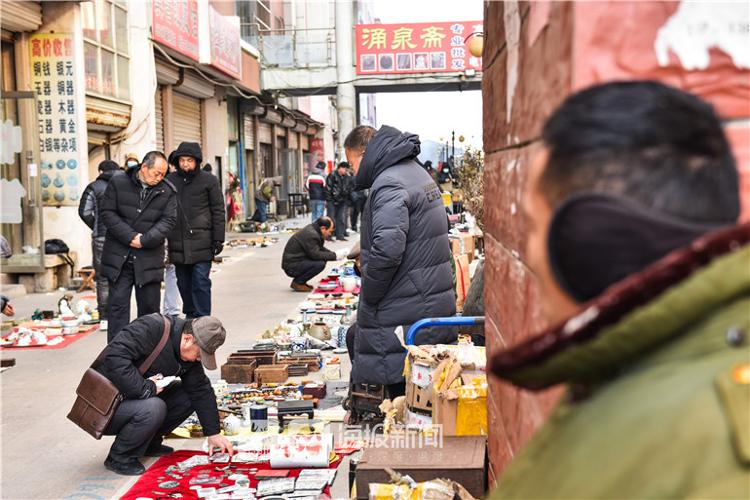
x=544 y=78
x=562 y=47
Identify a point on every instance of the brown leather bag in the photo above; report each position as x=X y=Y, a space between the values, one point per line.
x=98 y=398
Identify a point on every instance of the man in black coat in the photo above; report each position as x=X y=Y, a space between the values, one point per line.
x=338 y=187
x=405 y=253
x=139 y=210
x=304 y=254
x=198 y=234
x=150 y=410
x=89 y=210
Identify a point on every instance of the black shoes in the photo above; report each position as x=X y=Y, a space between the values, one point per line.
x=158 y=450
x=130 y=468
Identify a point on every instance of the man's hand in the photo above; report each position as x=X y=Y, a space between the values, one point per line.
x=220 y=443
x=218 y=247
x=8 y=311
x=136 y=241
x=154 y=379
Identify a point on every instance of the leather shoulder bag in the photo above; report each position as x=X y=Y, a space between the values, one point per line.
x=98 y=398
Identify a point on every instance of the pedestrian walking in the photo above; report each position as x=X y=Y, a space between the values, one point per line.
x=199 y=232
x=151 y=410
x=316 y=190
x=89 y=210
x=405 y=253
x=139 y=210
x=338 y=188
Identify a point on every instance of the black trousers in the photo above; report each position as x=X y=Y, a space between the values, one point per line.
x=138 y=422
x=340 y=219
x=102 y=283
x=147 y=298
x=304 y=270
x=357 y=208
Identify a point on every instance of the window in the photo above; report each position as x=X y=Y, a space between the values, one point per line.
x=107 y=62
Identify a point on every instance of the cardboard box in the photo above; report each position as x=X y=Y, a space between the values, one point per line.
x=463 y=244
x=419 y=398
x=460 y=403
x=463 y=279
x=460 y=459
x=271 y=374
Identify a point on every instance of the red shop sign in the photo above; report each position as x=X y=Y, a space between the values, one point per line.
x=416 y=48
x=176 y=25
x=225 y=43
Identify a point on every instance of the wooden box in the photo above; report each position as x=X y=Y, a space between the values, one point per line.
x=462 y=459
x=463 y=244
x=239 y=369
x=271 y=374
x=261 y=356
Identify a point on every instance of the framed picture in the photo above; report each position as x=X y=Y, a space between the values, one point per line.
x=403 y=62
x=367 y=62
x=386 y=62
x=422 y=61
x=437 y=60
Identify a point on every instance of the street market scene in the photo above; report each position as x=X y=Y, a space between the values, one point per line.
x=369 y=249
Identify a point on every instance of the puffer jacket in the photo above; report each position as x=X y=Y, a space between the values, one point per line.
x=89 y=209
x=135 y=343
x=405 y=257
x=305 y=245
x=200 y=223
x=125 y=215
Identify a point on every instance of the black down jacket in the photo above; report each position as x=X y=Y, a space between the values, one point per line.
x=201 y=216
x=125 y=215
x=405 y=256
x=135 y=343
x=305 y=245
x=89 y=209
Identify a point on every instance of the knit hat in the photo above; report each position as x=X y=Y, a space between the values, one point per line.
x=108 y=166
x=209 y=334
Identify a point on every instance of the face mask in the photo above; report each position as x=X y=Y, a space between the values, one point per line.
x=132 y=164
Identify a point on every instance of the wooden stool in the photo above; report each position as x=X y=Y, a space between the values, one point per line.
x=87 y=274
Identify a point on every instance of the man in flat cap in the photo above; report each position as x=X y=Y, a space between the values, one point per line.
x=151 y=411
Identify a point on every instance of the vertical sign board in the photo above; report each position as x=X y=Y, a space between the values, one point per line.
x=416 y=48
x=224 y=32
x=53 y=81
x=175 y=24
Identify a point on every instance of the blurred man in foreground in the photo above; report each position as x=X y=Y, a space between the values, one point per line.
x=631 y=204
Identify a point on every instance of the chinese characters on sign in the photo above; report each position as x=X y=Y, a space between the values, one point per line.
x=416 y=48
x=176 y=25
x=225 y=43
x=52 y=79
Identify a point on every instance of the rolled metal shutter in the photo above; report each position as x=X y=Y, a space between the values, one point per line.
x=186 y=118
x=249 y=128
x=265 y=133
x=159 y=110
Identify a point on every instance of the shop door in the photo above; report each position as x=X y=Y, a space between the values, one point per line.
x=266 y=161
x=159 y=111
x=186 y=119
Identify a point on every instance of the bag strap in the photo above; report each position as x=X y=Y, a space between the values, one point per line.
x=159 y=348
x=151 y=358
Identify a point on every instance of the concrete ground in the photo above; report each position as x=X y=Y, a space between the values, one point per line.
x=45 y=456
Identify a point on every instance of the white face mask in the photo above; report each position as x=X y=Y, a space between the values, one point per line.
x=132 y=164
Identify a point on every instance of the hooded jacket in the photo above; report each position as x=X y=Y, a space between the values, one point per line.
x=89 y=209
x=405 y=257
x=201 y=216
x=126 y=213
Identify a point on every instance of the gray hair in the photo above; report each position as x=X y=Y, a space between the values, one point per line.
x=150 y=159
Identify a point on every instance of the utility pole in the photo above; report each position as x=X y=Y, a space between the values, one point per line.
x=453 y=145
x=345 y=94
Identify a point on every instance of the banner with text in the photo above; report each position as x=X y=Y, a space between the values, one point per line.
x=415 y=48
x=175 y=24
x=53 y=80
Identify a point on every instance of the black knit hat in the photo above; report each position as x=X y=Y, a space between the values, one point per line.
x=108 y=166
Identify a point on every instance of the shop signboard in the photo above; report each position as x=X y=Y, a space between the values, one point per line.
x=224 y=33
x=54 y=83
x=408 y=48
x=175 y=24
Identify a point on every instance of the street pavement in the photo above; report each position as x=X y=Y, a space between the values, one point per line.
x=45 y=456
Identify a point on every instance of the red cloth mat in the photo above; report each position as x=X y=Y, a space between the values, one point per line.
x=339 y=289
x=148 y=483
x=67 y=340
